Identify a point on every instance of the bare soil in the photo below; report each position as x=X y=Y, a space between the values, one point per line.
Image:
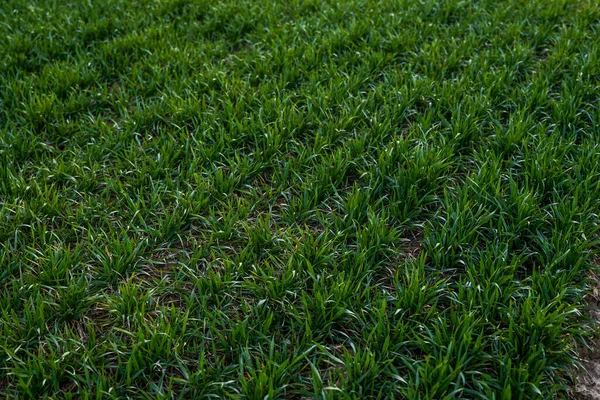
x=588 y=385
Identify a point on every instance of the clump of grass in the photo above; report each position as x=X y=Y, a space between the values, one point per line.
x=275 y=199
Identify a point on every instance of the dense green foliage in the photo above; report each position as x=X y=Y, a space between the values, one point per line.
x=268 y=199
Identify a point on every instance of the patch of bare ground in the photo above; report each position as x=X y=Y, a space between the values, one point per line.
x=412 y=245
x=588 y=385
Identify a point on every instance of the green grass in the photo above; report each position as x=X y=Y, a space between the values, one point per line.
x=267 y=199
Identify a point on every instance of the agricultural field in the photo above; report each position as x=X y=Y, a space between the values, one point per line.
x=298 y=199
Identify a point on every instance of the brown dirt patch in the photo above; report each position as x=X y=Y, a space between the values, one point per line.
x=412 y=246
x=588 y=385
